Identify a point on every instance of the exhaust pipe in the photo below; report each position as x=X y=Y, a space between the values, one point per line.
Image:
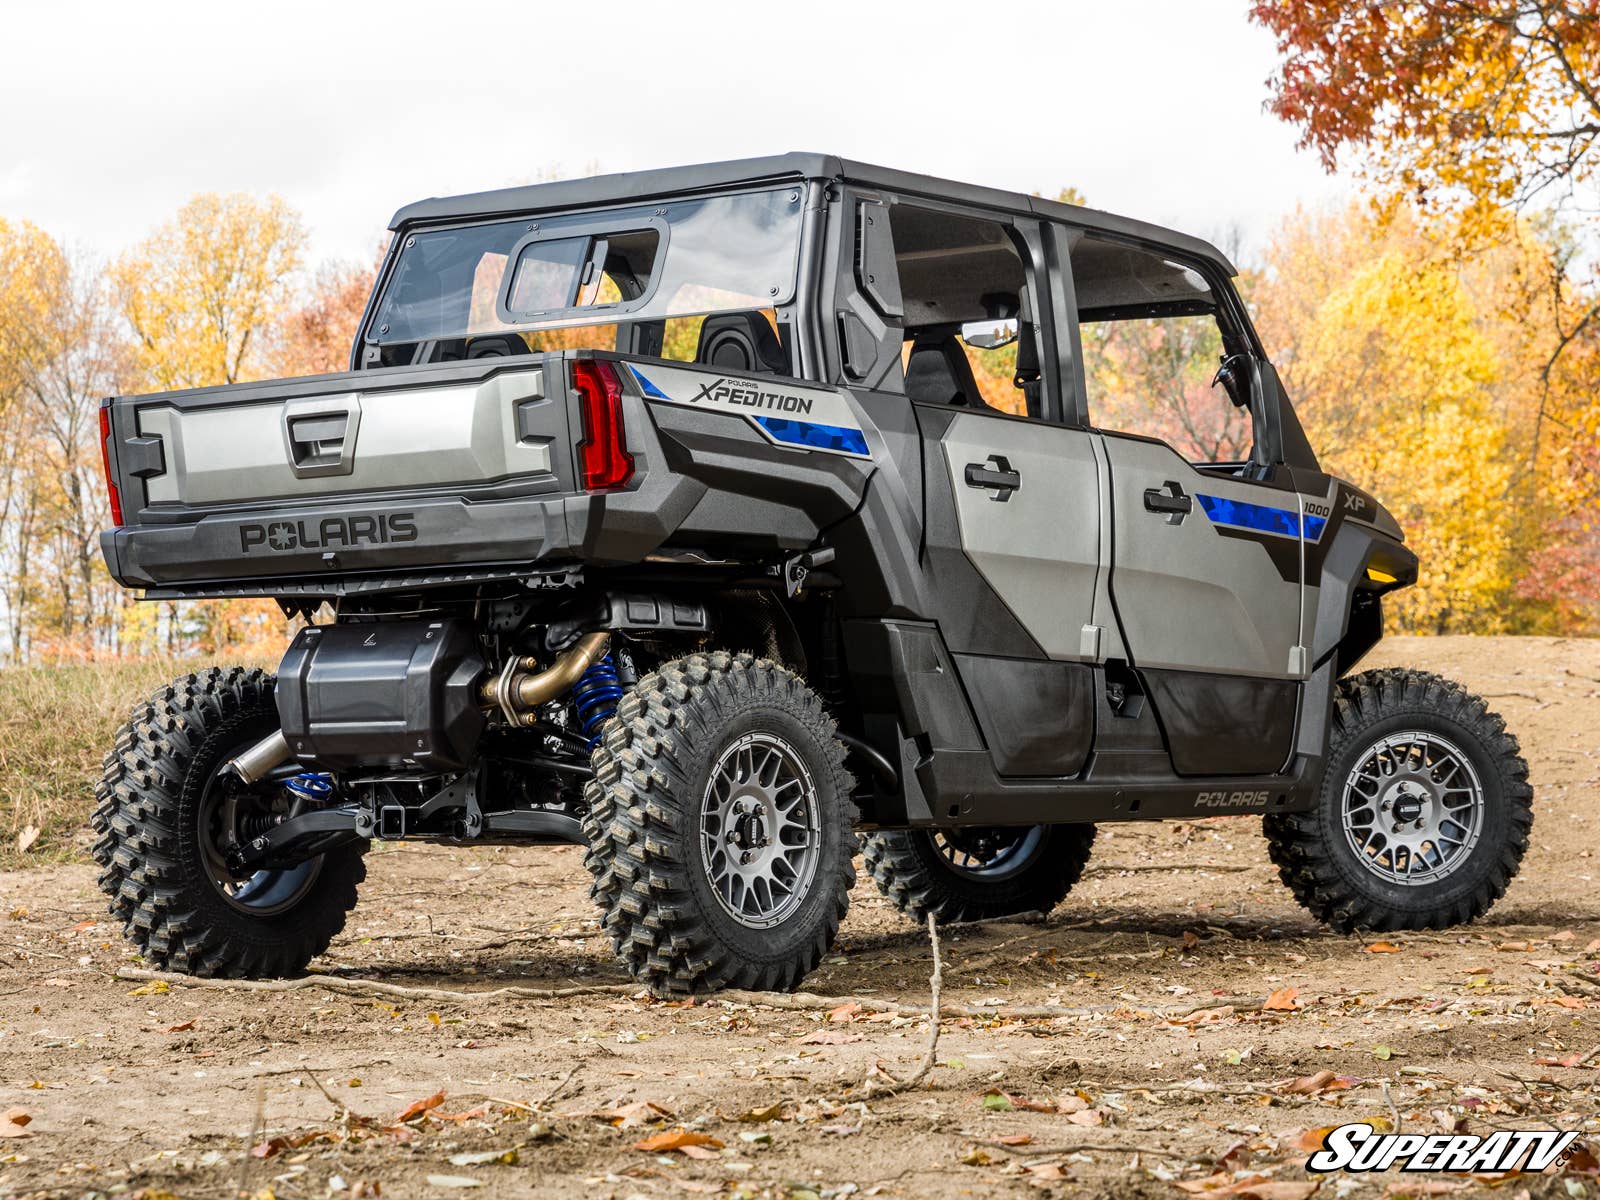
x=261 y=759
x=518 y=694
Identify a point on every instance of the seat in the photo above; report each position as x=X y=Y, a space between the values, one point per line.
x=937 y=372
x=497 y=345
x=741 y=341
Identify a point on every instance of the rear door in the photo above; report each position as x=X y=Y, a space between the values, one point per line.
x=1206 y=535
x=1013 y=551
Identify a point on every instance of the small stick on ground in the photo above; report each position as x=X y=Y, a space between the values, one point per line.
x=892 y=1085
x=562 y=1086
x=1394 y=1111
x=369 y=987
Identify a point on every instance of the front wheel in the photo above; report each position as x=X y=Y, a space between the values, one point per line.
x=1424 y=811
x=719 y=827
x=977 y=873
x=166 y=816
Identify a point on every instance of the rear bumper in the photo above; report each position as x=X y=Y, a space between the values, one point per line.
x=239 y=549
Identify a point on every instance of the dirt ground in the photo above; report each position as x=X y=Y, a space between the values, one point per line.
x=196 y=1092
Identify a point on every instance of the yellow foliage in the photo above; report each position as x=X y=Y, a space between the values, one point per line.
x=202 y=289
x=1414 y=376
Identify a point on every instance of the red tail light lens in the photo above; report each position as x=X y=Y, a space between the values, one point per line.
x=603 y=459
x=105 y=463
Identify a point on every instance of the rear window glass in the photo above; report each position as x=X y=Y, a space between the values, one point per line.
x=676 y=258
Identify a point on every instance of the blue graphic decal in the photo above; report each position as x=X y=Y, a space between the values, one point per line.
x=649 y=389
x=1262 y=518
x=814 y=436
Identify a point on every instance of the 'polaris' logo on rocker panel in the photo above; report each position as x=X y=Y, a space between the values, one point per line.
x=1231 y=799
x=329 y=533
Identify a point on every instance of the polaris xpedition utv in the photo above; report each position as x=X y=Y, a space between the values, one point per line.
x=701 y=516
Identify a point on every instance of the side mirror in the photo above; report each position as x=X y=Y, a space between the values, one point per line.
x=989 y=335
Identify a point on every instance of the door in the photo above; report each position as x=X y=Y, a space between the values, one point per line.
x=1206 y=551
x=1012 y=552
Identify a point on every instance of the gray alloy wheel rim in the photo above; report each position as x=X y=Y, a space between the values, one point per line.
x=1412 y=808
x=968 y=858
x=264 y=893
x=760 y=830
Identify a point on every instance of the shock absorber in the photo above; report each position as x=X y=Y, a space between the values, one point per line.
x=596 y=695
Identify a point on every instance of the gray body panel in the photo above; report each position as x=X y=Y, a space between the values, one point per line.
x=1189 y=598
x=1039 y=549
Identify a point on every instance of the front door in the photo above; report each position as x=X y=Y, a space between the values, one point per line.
x=1206 y=550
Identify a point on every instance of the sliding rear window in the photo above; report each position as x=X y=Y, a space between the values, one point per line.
x=676 y=258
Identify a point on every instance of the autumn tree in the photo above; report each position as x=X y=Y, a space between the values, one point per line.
x=1483 y=102
x=202 y=290
x=315 y=332
x=59 y=353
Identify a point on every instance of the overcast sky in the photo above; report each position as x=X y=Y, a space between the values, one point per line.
x=111 y=115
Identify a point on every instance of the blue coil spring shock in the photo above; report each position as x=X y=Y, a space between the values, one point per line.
x=310 y=787
x=597 y=692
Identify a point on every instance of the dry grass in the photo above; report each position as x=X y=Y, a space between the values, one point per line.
x=56 y=724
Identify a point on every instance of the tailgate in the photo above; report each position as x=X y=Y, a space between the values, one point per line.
x=357 y=471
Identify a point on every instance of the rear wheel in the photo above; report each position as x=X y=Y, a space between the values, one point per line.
x=166 y=816
x=1424 y=811
x=719 y=827
x=977 y=873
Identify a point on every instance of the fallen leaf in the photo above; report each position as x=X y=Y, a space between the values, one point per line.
x=412 y=1111
x=997 y=1102
x=1047 y=1171
x=677 y=1140
x=183 y=1027
x=1382 y=1053
x=269 y=1148
x=1311 y=1085
x=975 y=1156
x=28 y=836
x=156 y=987
x=630 y=1116
x=831 y=1037
x=773 y=1112
x=845 y=1012
x=1382 y=948
x=1014 y=1139
x=13 y=1122
x=1313 y=1140
x=1571 y=1060
x=1281 y=1000
x=454 y=1181
x=481 y=1158
x=700 y=1152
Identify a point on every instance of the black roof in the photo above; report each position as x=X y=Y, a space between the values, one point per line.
x=676 y=181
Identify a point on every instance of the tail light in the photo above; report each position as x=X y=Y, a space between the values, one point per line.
x=603 y=459
x=105 y=462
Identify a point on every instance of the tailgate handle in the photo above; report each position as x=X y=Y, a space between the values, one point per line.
x=321 y=436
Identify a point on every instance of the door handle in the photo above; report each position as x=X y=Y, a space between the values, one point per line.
x=994 y=473
x=1170 y=501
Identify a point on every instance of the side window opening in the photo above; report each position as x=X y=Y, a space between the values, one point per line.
x=967 y=313
x=1161 y=358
